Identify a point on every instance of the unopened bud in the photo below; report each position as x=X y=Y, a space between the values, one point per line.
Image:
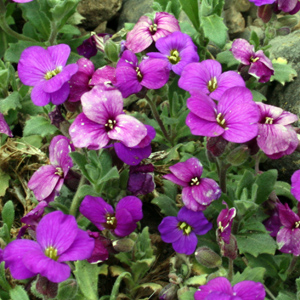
x=216 y=145
x=67 y=290
x=238 y=155
x=168 y=292
x=286 y=21
x=265 y=12
x=112 y=50
x=208 y=258
x=123 y=245
x=229 y=250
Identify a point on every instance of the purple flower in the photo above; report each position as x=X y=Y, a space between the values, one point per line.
x=4 y=128
x=288 y=6
x=46 y=71
x=140 y=181
x=260 y=66
x=90 y=46
x=103 y=120
x=134 y=155
x=288 y=237
x=100 y=252
x=182 y=230
x=22 y=1
x=47 y=181
x=145 y=31
x=58 y=240
x=132 y=77
x=296 y=185
x=276 y=137
x=120 y=222
x=262 y=2
x=207 y=77
x=220 y=289
x=197 y=192
x=234 y=118
x=273 y=223
x=177 y=49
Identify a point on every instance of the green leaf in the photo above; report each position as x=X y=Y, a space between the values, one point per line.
x=189 y=295
x=39 y=125
x=174 y=8
x=87 y=278
x=116 y=286
x=246 y=207
x=256 y=243
x=226 y=58
x=141 y=267
x=257 y=96
x=67 y=290
x=245 y=182
x=283 y=72
x=10 y=102
x=70 y=29
x=3 y=282
x=167 y=205
x=284 y=189
x=143 y=248
x=111 y=174
x=255 y=274
x=285 y=296
x=81 y=161
x=254 y=39
x=4 y=182
x=215 y=30
x=18 y=293
x=33 y=13
x=8 y=214
x=265 y=182
x=4 y=78
x=191 y=9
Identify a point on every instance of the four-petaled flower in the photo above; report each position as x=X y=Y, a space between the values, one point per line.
x=197 y=192
x=182 y=230
x=58 y=240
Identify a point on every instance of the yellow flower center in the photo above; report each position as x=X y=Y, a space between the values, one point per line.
x=59 y=172
x=187 y=229
x=153 y=28
x=269 y=120
x=110 y=124
x=221 y=121
x=52 y=73
x=254 y=59
x=195 y=181
x=51 y=252
x=297 y=224
x=139 y=74
x=174 y=58
x=212 y=84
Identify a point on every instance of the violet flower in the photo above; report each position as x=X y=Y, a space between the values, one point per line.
x=134 y=155
x=100 y=252
x=207 y=77
x=91 y=46
x=121 y=222
x=260 y=66
x=177 y=49
x=197 y=192
x=140 y=181
x=47 y=181
x=276 y=137
x=46 y=71
x=182 y=230
x=132 y=76
x=234 y=118
x=22 y=1
x=296 y=185
x=58 y=240
x=220 y=289
x=288 y=237
x=4 y=128
x=145 y=31
x=103 y=120
x=287 y=6
x=262 y=2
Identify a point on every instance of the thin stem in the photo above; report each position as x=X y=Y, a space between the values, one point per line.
x=292 y=265
x=222 y=175
x=5 y=27
x=158 y=119
x=77 y=200
x=269 y=293
x=53 y=34
x=230 y=269
x=257 y=160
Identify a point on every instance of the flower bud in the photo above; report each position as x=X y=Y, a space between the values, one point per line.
x=265 y=12
x=286 y=21
x=123 y=245
x=220 y=273
x=229 y=250
x=216 y=145
x=208 y=258
x=67 y=290
x=112 y=50
x=168 y=292
x=238 y=155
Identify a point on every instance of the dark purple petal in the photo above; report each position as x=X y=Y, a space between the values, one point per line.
x=38 y=262
x=34 y=216
x=80 y=249
x=140 y=183
x=95 y=209
x=168 y=229
x=287 y=217
x=13 y=256
x=133 y=205
x=295 y=190
x=100 y=252
x=261 y=71
x=125 y=223
x=4 y=128
x=249 y=290
x=186 y=244
x=89 y=134
x=79 y=84
x=288 y=240
x=85 y=66
x=52 y=230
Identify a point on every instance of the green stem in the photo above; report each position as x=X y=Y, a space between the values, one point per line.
x=230 y=269
x=77 y=200
x=5 y=27
x=292 y=265
x=53 y=34
x=269 y=293
x=222 y=175
x=158 y=119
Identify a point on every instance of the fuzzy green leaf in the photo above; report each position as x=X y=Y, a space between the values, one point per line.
x=39 y=125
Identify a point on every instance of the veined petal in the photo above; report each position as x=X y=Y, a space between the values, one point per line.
x=242 y=50
x=128 y=60
x=133 y=205
x=86 y=133
x=61 y=95
x=249 y=290
x=166 y=23
x=39 y=97
x=186 y=244
x=4 y=128
x=168 y=229
x=128 y=130
x=176 y=180
x=295 y=179
x=59 y=54
x=189 y=201
x=125 y=223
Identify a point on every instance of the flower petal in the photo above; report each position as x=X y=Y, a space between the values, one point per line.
x=249 y=290
x=133 y=205
x=186 y=244
x=168 y=229
x=39 y=97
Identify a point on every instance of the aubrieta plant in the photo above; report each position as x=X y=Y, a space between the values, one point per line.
x=136 y=164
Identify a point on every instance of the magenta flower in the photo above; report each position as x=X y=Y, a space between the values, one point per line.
x=46 y=71
x=121 y=222
x=22 y=1
x=296 y=185
x=287 y=6
x=177 y=49
x=145 y=31
x=58 y=240
x=288 y=237
x=197 y=192
x=260 y=66
x=276 y=137
x=207 y=77
x=182 y=230
x=100 y=252
x=262 y=2
x=47 y=181
x=224 y=223
x=220 y=289
x=234 y=118
x=132 y=77
x=103 y=120
x=4 y=128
